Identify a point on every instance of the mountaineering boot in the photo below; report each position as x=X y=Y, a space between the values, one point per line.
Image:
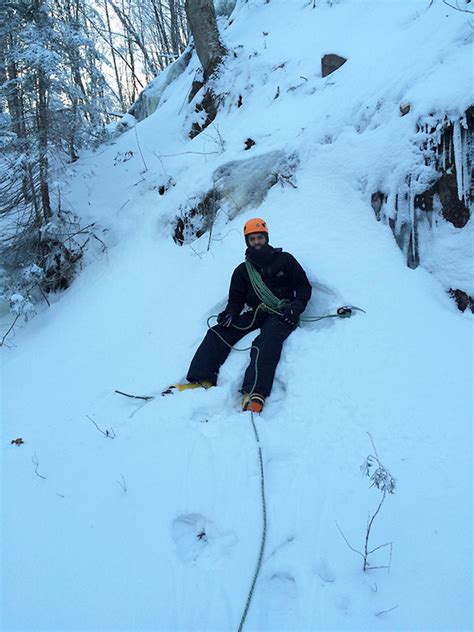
x=253 y=402
x=187 y=386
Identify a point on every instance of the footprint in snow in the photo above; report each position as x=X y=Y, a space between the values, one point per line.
x=198 y=540
x=343 y=602
x=325 y=572
x=201 y=416
x=278 y=610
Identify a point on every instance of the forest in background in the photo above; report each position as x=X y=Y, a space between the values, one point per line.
x=68 y=68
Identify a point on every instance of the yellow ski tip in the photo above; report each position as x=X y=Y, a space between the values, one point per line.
x=187 y=386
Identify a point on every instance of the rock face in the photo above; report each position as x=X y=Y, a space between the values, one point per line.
x=453 y=161
x=237 y=185
x=463 y=300
x=420 y=214
x=455 y=210
x=330 y=63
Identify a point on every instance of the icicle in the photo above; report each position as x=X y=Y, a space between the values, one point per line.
x=450 y=149
x=458 y=157
x=411 y=212
x=465 y=165
x=471 y=165
x=444 y=149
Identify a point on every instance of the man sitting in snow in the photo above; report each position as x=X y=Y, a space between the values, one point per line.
x=276 y=289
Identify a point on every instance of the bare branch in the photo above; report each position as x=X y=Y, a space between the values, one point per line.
x=457 y=7
x=147 y=398
x=122 y=483
x=9 y=330
x=139 y=147
x=110 y=434
x=382 y=612
x=198 y=153
x=381 y=546
x=43 y=294
x=36 y=464
x=195 y=251
x=373 y=445
x=347 y=542
x=367 y=533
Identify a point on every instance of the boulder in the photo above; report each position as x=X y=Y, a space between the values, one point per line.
x=330 y=63
x=237 y=185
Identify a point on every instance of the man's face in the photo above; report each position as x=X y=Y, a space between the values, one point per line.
x=257 y=240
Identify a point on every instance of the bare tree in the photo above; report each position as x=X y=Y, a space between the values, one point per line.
x=113 y=55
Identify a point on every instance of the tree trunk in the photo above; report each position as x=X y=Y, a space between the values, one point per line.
x=43 y=137
x=118 y=80
x=202 y=22
x=13 y=91
x=132 y=33
x=174 y=29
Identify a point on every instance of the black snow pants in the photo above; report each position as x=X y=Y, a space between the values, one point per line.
x=212 y=352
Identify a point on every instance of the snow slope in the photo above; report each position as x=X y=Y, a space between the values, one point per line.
x=101 y=533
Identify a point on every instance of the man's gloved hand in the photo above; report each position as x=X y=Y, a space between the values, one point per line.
x=225 y=319
x=291 y=314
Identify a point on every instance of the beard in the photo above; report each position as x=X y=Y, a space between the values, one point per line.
x=260 y=256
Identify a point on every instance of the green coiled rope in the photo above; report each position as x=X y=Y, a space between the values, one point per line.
x=271 y=303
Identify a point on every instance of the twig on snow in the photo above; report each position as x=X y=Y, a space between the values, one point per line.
x=195 y=251
x=123 y=483
x=139 y=147
x=367 y=534
x=34 y=458
x=110 y=434
x=457 y=7
x=380 y=478
x=347 y=541
x=147 y=398
x=382 y=612
x=184 y=153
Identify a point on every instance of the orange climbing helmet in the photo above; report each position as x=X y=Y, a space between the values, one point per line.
x=255 y=225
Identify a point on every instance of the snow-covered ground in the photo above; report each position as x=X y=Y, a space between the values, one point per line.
x=104 y=533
